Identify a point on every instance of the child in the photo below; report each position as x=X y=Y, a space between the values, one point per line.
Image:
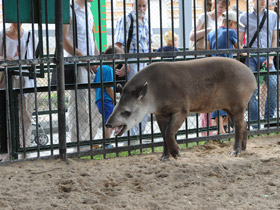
x=222 y=44
x=108 y=92
x=169 y=44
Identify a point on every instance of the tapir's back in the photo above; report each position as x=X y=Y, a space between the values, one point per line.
x=198 y=82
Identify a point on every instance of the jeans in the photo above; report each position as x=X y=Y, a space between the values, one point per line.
x=271 y=99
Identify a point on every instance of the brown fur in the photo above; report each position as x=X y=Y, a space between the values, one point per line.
x=202 y=85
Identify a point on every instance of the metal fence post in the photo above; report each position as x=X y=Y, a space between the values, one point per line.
x=60 y=79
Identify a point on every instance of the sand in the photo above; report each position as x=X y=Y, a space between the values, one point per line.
x=204 y=177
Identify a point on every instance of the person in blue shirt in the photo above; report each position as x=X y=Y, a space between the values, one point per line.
x=108 y=92
x=222 y=35
x=227 y=39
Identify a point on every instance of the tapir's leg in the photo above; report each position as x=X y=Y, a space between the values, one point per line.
x=238 y=120
x=175 y=123
x=244 y=139
x=163 y=121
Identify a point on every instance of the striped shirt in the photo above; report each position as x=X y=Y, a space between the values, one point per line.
x=143 y=29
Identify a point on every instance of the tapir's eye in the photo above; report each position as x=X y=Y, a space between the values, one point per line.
x=126 y=114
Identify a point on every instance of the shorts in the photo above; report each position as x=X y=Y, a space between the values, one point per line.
x=108 y=108
x=215 y=114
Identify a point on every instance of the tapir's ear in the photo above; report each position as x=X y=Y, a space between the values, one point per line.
x=143 y=90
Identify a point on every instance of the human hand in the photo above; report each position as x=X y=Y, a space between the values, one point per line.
x=92 y=69
x=210 y=29
x=243 y=54
x=121 y=72
x=268 y=63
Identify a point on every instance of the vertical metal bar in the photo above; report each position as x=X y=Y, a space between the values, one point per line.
x=49 y=79
x=258 y=58
x=206 y=32
x=21 y=84
x=172 y=27
x=216 y=35
x=60 y=79
x=114 y=74
x=184 y=27
x=194 y=27
x=88 y=66
x=101 y=80
x=267 y=69
x=150 y=61
x=7 y=90
x=75 y=34
x=196 y=116
x=277 y=68
x=126 y=52
x=248 y=55
x=34 y=73
x=237 y=30
x=138 y=64
x=160 y=23
x=182 y=9
x=14 y=122
x=186 y=130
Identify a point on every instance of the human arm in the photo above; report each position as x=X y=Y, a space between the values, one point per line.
x=67 y=44
x=121 y=72
x=110 y=92
x=93 y=68
x=240 y=36
x=208 y=45
x=200 y=30
x=273 y=45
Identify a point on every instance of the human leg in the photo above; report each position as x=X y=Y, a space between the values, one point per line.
x=271 y=99
x=108 y=110
x=253 y=103
x=28 y=108
x=80 y=111
x=206 y=122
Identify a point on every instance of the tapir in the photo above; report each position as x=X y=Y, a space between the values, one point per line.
x=171 y=90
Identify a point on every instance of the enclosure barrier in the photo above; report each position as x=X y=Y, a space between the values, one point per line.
x=49 y=131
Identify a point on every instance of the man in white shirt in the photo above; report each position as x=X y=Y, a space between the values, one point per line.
x=82 y=78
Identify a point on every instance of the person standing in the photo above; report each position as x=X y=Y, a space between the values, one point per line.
x=143 y=44
x=108 y=93
x=82 y=78
x=26 y=101
x=267 y=39
x=227 y=39
x=210 y=21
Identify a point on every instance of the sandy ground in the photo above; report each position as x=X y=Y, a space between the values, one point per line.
x=204 y=177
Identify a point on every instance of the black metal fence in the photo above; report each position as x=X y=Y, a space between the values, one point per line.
x=64 y=117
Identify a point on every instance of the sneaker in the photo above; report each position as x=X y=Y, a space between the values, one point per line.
x=255 y=127
x=270 y=125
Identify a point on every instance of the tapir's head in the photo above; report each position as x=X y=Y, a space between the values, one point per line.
x=130 y=110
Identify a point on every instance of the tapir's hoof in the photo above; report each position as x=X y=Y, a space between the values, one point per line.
x=235 y=152
x=175 y=153
x=164 y=158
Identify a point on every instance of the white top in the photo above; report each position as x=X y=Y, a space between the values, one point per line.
x=81 y=28
x=12 y=52
x=210 y=21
